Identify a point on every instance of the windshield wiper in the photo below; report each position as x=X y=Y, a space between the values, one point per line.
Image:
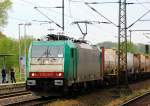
x=45 y=53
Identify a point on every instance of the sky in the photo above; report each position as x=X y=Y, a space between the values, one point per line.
x=23 y=11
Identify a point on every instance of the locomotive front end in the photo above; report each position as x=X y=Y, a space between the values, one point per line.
x=45 y=68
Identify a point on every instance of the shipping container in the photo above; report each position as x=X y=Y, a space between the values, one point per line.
x=130 y=67
x=142 y=63
x=136 y=62
x=110 y=66
x=147 y=63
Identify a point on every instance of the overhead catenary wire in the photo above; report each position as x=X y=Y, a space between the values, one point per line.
x=101 y=14
x=141 y=4
x=74 y=18
x=145 y=20
x=31 y=3
x=36 y=7
x=53 y=11
x=47 y=17
x=49 y=8
x=59 y=13
x=101 y=2
x=138 y=19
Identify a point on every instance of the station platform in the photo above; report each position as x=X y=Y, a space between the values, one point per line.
x=1 y=84
x=12 y=87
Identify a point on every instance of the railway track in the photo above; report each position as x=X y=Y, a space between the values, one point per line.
x=33 y=102
x=23 y=98
x=11 y=88
x=12 y=94
x=135 y=100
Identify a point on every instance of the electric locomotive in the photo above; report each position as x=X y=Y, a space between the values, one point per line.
x=56 y=66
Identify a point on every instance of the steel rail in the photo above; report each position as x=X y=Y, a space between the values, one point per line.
x=12 y=94
x=135 y=99
x=33 y=102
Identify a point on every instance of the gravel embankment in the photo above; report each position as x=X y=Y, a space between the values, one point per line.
x=102 y=97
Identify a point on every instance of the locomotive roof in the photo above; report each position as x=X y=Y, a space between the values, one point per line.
x=54 y=43
x=54 y=37
x=70 y=43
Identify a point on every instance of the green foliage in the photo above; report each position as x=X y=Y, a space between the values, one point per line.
x=11 y=46
x=4 y=7
x=138 y=48
x=2 y=35
x=8 y=46
x=26 y=41
x=131 y=47
x=108 y=44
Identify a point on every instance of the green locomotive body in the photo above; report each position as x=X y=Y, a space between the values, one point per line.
x=56 y=66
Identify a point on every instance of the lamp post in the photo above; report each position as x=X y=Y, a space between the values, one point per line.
x=25 y=45
x=19 y=51
x=25 y=33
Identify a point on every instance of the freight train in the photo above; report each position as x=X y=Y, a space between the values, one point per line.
x=58 y=66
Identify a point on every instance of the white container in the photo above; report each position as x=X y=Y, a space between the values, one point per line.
x=130 y=65
x=136 y=63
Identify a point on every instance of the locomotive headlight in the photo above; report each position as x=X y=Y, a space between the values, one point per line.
x=32 y=74
x=59 y=74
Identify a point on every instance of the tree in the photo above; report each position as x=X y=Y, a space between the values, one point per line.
x=5 y=5
x=11 y=46
x=2 y=35
x=131 y=47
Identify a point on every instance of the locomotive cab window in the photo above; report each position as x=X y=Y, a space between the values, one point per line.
x=46 y=54
x=47 y=51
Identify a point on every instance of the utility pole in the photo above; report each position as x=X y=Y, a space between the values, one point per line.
x=25 y=47
x=122 y=37
x=63 y=16
x=122 y=45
